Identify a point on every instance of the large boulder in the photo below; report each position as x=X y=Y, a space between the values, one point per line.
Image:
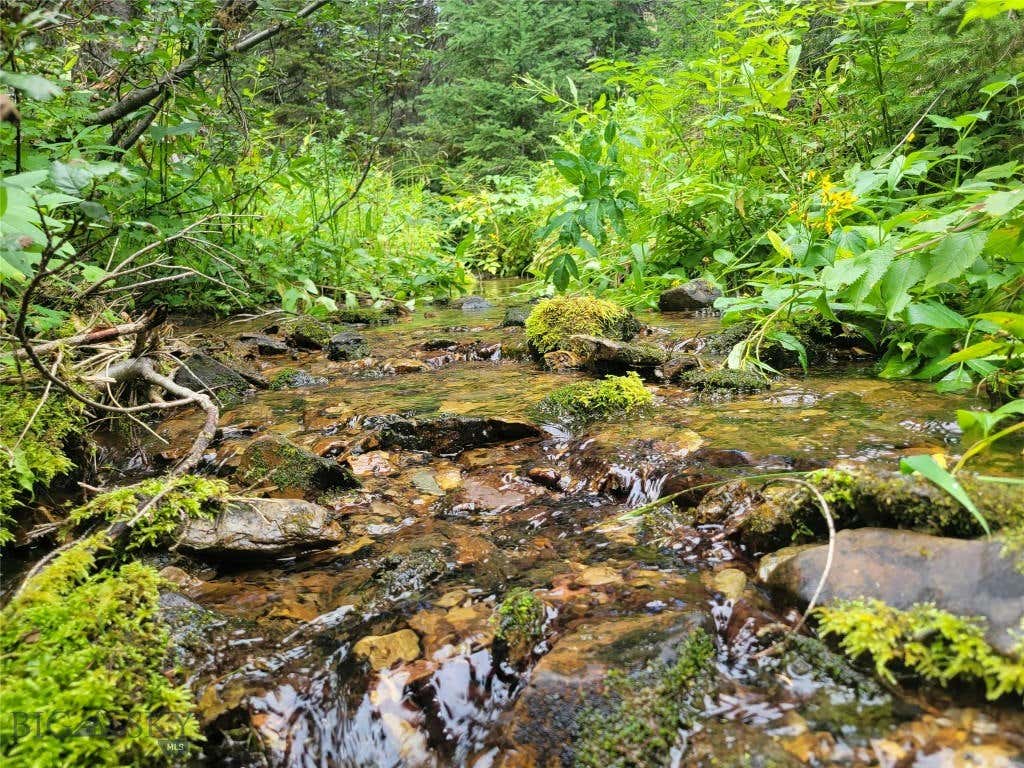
x=554 y=320
x=901 y=568
x=694 y=295
x=289 y=471
x=448 y=434
x=269 y=527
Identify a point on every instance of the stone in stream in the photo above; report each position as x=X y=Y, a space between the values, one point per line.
x=293 y=472
x=608 y=356
x=449 y=434
x=720 y=381
x=203 y=373
x=265 y=345
x=515 y=317
x=294 y=378
x=901 y=568
x=472 y=304
x=696 y=294
x=347 y=346
x=383 y=651
x=262 y=528
x=309 y=333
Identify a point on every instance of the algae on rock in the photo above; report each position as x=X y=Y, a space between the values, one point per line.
x=585 y=400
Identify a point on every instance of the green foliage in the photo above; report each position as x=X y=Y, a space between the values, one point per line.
x=83 y=656
x=172 y=502
x=33 y=432
x=554 y=320
x=639 y=724
x=929 y=642
x=584 y=400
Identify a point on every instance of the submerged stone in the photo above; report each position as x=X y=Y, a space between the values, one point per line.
x=903 y=568
x=694 y=295
x=383 y=651
x=262 y=527
x=292 y=471
x=449 y=434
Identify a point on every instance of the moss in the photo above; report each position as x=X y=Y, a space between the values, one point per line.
x=310 y=333
x=83 y=660
x=361 y=315
x=931 y=643
x=38 y=456
x=519 y=622
x=275 y=461
x=180 y=498
x=639 y=721
x=287 y=378
x=722 y=380
x=592 y=399
x=554 y=320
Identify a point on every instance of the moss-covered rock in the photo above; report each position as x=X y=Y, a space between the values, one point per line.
x=554 y=320
x=361 y=316
x=289 y=471
x=309 y=333
x=85 y=678
x=291 y=378
x=608 y=356
x=34 y=435
x=205 y=373
x=587 y=400
x=721 y=381
x=519 y=623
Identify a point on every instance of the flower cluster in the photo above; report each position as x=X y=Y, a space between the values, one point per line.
x=826 y=211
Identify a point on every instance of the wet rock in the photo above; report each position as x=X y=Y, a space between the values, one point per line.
x=562 y=360
x=347 y=346
x=766 y=517
x=696 y=294
x=383 y=651
x=265 y=345
x=472 y=304
x=205 y=374
x=294 y=378
x=515 y=317
x=449 y=434
x=515 y=349
x=371 y=463
x=432 y=345
x=716 y=381
x=609 y=356
x=309 y=333
x=403 y=365
x=292 y=471
x=901 y=568
x=677 y=365
x=361 y=316
x=404 y=573
x=730 y=582
x=732 y=744
x=544 y=723
x=262 y=527
x=546 y=476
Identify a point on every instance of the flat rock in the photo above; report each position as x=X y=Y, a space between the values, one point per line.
x=963 y=577
x=265 y=345
x=206 y=374
x=696 y=294
x=449 y=434
x=610 y=356
x=472 y=304
x=268 y=527
x=383 y=651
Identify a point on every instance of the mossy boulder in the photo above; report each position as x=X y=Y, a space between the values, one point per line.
x=721 y=381
x=309 y=333
x=554 y=320
x=767 y=517
x=291 y=378
x=288 y=471
x=361 y=316
x=587 y=400
x=347 y=346
x=515 y=317
x=519 y=621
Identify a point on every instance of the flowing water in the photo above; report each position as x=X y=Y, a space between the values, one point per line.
x=433 y=542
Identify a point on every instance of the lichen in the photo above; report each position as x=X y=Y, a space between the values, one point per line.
x=554 y=320
x=83 y=657
x=177 y=499
x=592 y=399
x=32 y=449
x=638 y=722
x=931 y=643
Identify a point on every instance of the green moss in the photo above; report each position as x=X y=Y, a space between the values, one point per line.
x=722 y=380
x=931 y=643
x=554 y=320
x=309 y=332
x=364 y=315
x=639 y=721
x=180 y=498
x=275 y=461
x=36 y=457
x=520 y=621
x=288 y=378
x=593 y=399
x=83 y=662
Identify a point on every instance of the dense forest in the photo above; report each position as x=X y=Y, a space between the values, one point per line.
x=512 y=382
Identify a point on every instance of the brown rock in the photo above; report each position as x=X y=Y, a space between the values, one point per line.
x=383 y=651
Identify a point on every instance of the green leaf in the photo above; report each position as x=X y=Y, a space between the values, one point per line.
x=934 y=315
x=903 y=275
x=953 y=256
x=33 y=86
x=979 y=350
x=1001 y=203
x=930 y=469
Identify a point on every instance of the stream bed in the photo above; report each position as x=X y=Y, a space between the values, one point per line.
x=433 y=540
